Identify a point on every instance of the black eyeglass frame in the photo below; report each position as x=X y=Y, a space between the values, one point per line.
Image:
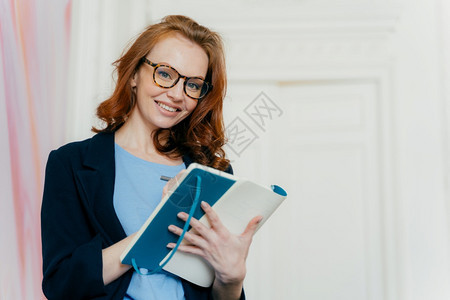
x=209 y=86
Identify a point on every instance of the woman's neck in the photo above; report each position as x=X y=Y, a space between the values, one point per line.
x=138 y=140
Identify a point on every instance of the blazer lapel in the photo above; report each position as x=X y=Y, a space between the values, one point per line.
x=96 y=184
x=187 y=160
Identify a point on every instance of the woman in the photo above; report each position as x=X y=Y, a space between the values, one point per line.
x=165 y=112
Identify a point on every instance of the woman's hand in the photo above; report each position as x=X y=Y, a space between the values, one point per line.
x=172 y=184
x=225 y=252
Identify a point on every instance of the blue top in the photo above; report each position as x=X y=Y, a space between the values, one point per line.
x=137 y=192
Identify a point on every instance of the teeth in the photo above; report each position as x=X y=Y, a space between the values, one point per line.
x=166 y=107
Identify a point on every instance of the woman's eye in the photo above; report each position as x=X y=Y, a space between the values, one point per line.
x=164 y=74
x=193 y=86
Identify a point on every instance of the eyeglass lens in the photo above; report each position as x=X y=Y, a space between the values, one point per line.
x=168 y=77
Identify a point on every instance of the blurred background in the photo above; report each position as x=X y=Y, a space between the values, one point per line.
x=343 y=103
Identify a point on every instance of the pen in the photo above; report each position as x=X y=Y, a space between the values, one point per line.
x=165 y=178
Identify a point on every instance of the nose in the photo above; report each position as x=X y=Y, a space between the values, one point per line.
x=176 y=93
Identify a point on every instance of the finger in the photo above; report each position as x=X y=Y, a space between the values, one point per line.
x=188 y=249
x=251 y=227
x=173 y=183
x=212 y=216
x=197 y=227
x=188 y=236
x=165 y=190
x=168 y=188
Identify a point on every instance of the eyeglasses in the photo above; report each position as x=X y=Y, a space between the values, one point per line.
x=167 y=77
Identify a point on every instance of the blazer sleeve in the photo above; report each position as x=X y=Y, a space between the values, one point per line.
x=72 y=252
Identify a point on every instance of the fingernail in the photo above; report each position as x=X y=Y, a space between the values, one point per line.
x=170 y=245
x=259 y=221
x=171 y=228
x=204 y=204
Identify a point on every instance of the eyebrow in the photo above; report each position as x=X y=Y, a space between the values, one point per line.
x=167 y=64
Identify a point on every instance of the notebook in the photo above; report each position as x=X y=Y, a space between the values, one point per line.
x=235 y=200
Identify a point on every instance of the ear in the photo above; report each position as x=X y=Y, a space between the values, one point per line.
x=134 y=79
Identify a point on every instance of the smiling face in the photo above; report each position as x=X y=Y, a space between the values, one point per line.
x=158 y=107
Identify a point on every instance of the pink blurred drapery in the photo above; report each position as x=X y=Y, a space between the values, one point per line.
x=34 y=52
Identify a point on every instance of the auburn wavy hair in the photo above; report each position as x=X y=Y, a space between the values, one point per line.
x=201 y=135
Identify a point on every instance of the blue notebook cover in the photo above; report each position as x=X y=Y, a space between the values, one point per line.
x=150 y=248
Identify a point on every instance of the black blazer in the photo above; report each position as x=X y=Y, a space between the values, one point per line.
x=78 y=220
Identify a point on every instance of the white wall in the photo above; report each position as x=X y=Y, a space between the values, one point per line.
x=358 y=134
x=443 y=19
x=420 y=140
x=101 y=30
